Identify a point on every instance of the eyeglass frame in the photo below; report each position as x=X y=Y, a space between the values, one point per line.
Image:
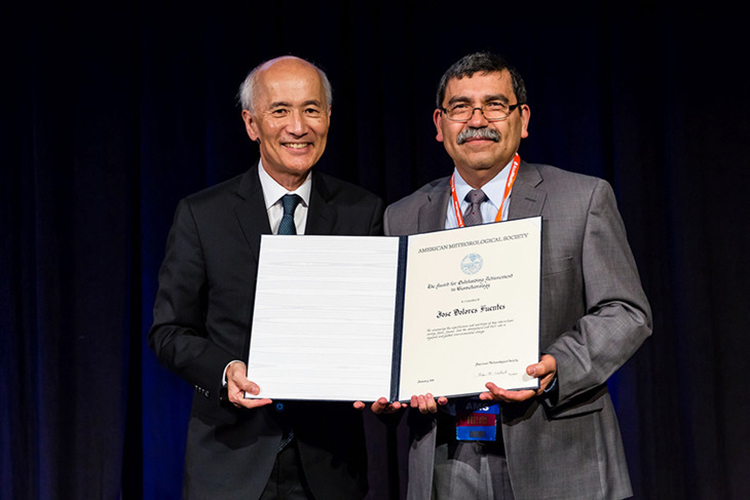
x=511 y=109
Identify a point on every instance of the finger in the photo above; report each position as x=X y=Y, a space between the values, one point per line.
x=236 y=393
x=494 y=389
x=496 y=393
x=383 y=406
x=425 y=403
x=251 y=387
x=430 y=403
x=546 y=366
x=254 y=403
x=239 y=400
x=487 y=396
x=537 y=370
x=379 y=405
x=358 y=405
x=422 y=404
x=518 y=396
x=242 y=384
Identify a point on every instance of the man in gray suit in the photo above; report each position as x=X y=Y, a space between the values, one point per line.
x=562 y=440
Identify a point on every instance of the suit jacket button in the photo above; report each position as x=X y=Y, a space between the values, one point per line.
x=279 y=406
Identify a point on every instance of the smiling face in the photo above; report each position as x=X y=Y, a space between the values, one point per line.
x=290 y=119
x=479 y=148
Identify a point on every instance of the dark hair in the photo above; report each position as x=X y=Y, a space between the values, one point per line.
x=481 y=62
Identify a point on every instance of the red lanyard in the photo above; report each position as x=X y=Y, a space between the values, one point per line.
x=508 y=186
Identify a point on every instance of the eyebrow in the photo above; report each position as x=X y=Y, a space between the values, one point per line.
x=311 y=102
x=486 y=98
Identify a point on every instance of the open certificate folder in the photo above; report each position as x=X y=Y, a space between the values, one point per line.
x=359 y=317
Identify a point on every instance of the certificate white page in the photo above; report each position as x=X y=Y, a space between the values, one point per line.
x=472 y=309
x=323 y=319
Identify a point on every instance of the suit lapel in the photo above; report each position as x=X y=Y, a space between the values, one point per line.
x=527 y=198
x=431 y=215
x=251 y=212
x=321 y=217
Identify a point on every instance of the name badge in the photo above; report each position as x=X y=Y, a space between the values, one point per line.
x=477 y=421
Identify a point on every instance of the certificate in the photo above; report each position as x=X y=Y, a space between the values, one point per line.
x=358 y=317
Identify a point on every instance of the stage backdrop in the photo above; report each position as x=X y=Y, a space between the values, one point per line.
x=113 y=111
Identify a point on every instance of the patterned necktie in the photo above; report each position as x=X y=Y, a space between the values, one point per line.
x=286 y=226
x=473 y=214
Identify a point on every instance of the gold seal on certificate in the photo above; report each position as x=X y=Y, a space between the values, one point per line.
x=361 y=317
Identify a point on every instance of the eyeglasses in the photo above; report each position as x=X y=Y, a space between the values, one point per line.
x=493 y=111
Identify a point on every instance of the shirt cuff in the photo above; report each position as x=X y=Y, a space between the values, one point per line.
x=224 y=374
x=550 y=394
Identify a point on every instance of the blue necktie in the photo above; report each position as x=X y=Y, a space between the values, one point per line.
x=286 y=226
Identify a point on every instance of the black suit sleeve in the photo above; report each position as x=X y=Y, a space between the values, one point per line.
x=376 y=224
x=178 y=335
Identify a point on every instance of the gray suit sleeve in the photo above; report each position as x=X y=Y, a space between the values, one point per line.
x=618 y=316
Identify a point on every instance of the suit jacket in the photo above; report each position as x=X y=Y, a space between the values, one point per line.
x=594 y=316
x=202 y=319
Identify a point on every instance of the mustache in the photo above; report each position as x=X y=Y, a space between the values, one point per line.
x=478 y=133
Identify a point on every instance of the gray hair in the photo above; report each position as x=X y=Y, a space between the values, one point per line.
x=249 y=88
x=481 y=62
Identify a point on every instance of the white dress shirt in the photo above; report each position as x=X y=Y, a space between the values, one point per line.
x=494 y=189
x=273 y=192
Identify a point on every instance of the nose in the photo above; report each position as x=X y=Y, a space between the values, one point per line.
x=297 y=125
x=477 y=120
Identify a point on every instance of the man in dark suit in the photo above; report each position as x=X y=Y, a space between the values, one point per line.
x=240 y=448
x=561 y=441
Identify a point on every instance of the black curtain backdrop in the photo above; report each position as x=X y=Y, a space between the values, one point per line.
x=114 y=111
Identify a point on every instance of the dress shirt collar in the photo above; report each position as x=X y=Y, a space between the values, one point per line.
x=494 y=189
x=273 y=191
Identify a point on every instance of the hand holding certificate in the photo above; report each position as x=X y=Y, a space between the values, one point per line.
x=356 y=318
